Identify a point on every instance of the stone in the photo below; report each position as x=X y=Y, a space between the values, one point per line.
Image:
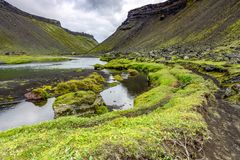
x=236 y=88
x=33 y=96
x=77 y=103
x=212 y=68
x=186 y=57
x=229 y=92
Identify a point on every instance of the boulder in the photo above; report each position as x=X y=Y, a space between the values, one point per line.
x=133 y=72
x=186 y=57
x=77 y=103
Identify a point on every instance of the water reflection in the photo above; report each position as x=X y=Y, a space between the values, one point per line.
x=84 y=63
x=121 y=97
x=25 y=113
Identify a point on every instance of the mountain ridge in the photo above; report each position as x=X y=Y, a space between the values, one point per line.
x=24 y=32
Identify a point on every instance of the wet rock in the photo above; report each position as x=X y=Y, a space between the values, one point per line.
x=212 y=68
x=77 y=103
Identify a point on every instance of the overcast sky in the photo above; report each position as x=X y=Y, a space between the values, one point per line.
x=97 y=17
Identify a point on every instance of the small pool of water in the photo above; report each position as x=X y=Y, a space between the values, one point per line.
x=121 y=97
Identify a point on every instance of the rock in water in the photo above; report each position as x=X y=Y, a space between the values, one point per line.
x=77 y=103
x=33 y=96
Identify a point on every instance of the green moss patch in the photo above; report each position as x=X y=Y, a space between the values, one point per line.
x=20 y=59
x=94 y=82
x=78 y=103
x=118 y=78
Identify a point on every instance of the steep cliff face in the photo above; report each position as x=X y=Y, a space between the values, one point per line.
x=161 y=10
x=179 y=26
x=24 y=32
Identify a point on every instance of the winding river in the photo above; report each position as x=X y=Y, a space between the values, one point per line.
x=119 y=97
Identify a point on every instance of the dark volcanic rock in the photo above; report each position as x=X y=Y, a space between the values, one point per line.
x=162 y=10
x=213 y=68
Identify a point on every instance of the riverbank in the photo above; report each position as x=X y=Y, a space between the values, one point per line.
x=23 y=59
x=165 y=120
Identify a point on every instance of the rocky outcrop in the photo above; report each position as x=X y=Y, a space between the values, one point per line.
x=162 y=10
x=77 y=103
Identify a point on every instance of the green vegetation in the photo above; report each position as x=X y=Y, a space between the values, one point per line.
x=226 y=74
x=76 y=98
x=75 y=103
x=93 y=82
x=20 y=59
x=113 y=84
x=164 y=124
x=34 y=36
x=98 y=67
x=75 y=43
x=42 y=92
x=101 y=110
x=118 y=77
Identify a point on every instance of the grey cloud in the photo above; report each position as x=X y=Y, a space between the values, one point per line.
x=103 y=7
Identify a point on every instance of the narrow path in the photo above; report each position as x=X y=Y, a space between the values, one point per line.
x=223 y=121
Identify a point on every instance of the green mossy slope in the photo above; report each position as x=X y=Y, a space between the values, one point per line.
x=21 y=33
x=201 y=26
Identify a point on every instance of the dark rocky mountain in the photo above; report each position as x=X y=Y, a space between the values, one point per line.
x=24 y=32
x=180 y=27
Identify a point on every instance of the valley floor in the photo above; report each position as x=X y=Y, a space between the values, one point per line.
x=184 y=115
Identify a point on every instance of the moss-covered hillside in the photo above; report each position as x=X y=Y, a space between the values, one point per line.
x=21 y=32
x=195 y=27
